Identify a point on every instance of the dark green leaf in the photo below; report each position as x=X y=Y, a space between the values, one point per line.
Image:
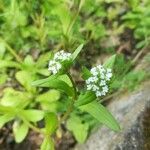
x=99 y=112
x=85 y=73
x=56 y=84
x=85 y=98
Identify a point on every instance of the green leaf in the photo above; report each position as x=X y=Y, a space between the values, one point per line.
x=77 y=51
x=20 y=131
x=47 y=144
x=28 y=61
x=85 y=98
x=5 y=118
x=56 y=84
x=99 y=112
x=32 y=115
x=9 y=64
x=110 y=62
x=85 y=73
x=50 y=96
x=2 y=49
x=51 y=122
x=79 y=129
x=42 y=81
x=25 y=78
x=66 y=79
x=13 y=98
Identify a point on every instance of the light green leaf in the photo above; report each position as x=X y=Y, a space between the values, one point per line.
x=5 y=118
x=51 y=122
x=32 y=115
x=47 y=144
x=66 y=79
x=50 y=96
x=9 y=64
x=25 y=79
x=99 y=112
x=20 y=131
x=85 y=98
x=110 y=62
x=12 y=97
x=28 y=61
x=79 y=129
x=2 y=49
x=77 y=51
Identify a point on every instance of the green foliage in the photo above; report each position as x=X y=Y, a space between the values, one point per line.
x=138 y=20
x=101 y=114
x=78 y=127
x=30 y=30
x=20 y=131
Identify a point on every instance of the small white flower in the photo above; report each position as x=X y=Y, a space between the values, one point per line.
x=103 y=82
x=89 y=87
x=94 y=71
x=62 y=56
x=98 y=93
x=105 y=89
x=98 y=82
x=54 y=66
x=95 y=88
x=55 y=63
x=108 y=76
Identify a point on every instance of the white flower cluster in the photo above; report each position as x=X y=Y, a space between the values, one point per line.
x=55 y=64
x=98 y=82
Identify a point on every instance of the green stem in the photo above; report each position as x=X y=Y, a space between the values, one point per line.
x=74 y=86
x=32 y=126
x=74 y=19
x=70 y=108
x=11 y=50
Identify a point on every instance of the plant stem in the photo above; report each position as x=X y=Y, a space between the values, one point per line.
x=74 y=86
x=32 y=126
x=74 y=18
x=11 y=50
x=70 y=108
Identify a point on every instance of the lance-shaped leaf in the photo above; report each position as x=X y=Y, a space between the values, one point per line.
x=86 y=98
x=110 y=62
x=85 y=73
x=77 y=51
x=56 y=84
x=99 y=112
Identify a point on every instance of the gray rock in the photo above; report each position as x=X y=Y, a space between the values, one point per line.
x=133 y=113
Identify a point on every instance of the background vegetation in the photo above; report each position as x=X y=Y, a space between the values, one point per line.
x=31 y=29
